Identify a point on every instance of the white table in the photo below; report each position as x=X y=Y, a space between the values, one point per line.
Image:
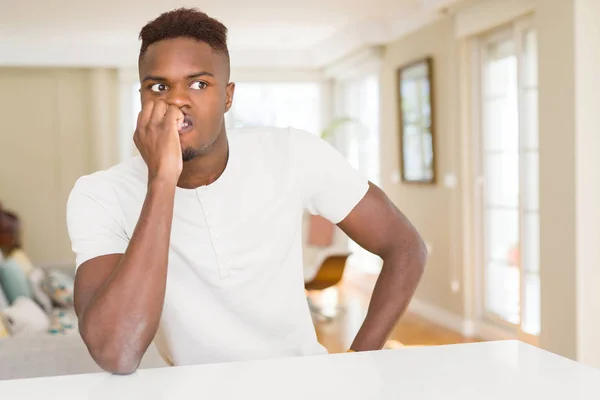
x=507 y=370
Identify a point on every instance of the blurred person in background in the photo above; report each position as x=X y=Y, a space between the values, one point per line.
x=11 y=243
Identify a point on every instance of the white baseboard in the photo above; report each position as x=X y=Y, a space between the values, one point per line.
x=469 y=328
x=487 y=331
x=437 y=315
x=466 y=327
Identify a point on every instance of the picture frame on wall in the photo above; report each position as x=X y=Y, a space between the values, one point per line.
x=416 y=121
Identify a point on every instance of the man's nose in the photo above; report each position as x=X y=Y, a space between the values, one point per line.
x=178 y=96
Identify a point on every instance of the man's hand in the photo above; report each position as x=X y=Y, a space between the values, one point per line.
x=157 y=138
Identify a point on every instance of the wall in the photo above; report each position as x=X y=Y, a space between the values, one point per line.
x=57 y=124
x=435 y=210
x=587 y=60
x=555 y=24
x=570 y=182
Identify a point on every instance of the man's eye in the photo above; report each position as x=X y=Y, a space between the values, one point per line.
x=159 y=87
x=198 y=85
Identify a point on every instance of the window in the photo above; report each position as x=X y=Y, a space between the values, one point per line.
x=358 y=140
x=281 y=104
x=358 y=100
x=508 y=168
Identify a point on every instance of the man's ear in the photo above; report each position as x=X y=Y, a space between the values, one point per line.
x=229 y=91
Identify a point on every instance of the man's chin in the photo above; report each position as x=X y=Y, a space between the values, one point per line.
x=188 y=154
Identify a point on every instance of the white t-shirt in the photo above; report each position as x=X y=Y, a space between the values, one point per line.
x=235 y=285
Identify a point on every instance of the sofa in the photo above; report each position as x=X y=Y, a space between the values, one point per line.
x=55 y=351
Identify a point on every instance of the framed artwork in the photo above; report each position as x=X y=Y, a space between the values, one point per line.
x=416 y=122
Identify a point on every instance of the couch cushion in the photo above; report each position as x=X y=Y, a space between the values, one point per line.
x=25 y=317
x=4 y=332
x=36 y=279
x=22 y=259
x=60 y=287
x=63 y=322
x=14 y=281
x=3 y=299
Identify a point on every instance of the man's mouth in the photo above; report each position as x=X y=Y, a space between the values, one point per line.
x=187 y=124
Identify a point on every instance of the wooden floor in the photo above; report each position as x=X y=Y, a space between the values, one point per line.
x=352 y=298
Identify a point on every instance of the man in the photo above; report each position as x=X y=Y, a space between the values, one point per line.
x=196 y=245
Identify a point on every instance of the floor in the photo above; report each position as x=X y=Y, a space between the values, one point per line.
x=349 y=302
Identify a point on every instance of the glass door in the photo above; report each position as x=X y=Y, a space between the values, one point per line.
x=508 y=216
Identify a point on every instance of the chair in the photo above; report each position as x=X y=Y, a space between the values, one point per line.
x=330 y=272
x=325 y=252
x=328 y=275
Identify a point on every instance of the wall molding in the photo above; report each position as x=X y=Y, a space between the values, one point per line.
x=458 y=324
x=276 y=75
x=368 y=59
x=439 y=316
x=486 y=15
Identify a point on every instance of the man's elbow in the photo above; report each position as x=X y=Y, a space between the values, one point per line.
x=115 y=363
x=111 y=357
x=412 y=253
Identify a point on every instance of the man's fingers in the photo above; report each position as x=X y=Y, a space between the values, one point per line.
x=159 y=111
x=144 y=115
x=174 y=117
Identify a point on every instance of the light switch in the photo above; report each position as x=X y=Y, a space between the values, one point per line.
x=450 y=180
x=455 y=286
x=395 y=176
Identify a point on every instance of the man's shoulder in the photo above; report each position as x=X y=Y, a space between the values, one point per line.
x=126 y=174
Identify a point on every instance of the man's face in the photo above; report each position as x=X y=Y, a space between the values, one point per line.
x=189 y=74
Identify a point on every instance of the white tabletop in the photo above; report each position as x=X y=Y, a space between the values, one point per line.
x=506 y=370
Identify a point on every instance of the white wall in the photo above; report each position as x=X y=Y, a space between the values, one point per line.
x=587 y=144
x=555 y=25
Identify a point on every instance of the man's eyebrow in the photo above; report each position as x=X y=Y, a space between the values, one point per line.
x=153 y=78
x=160 y=78
x=200 y=74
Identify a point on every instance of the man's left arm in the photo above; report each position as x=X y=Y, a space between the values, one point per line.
x=379 y=227
x=331 y=187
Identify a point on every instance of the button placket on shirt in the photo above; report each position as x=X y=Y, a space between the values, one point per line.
x=223 y=269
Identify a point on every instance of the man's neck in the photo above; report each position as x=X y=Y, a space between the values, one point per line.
x=205 y=168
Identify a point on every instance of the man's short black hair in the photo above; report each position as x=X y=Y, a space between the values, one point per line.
x=185 y=23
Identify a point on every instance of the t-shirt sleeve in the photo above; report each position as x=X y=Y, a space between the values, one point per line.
x=329 y=185
x=94 y=221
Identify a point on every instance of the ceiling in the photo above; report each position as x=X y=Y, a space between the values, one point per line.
x=262 y=33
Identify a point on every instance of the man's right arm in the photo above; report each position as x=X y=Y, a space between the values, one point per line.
x=120 y=283
x=119 y=297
